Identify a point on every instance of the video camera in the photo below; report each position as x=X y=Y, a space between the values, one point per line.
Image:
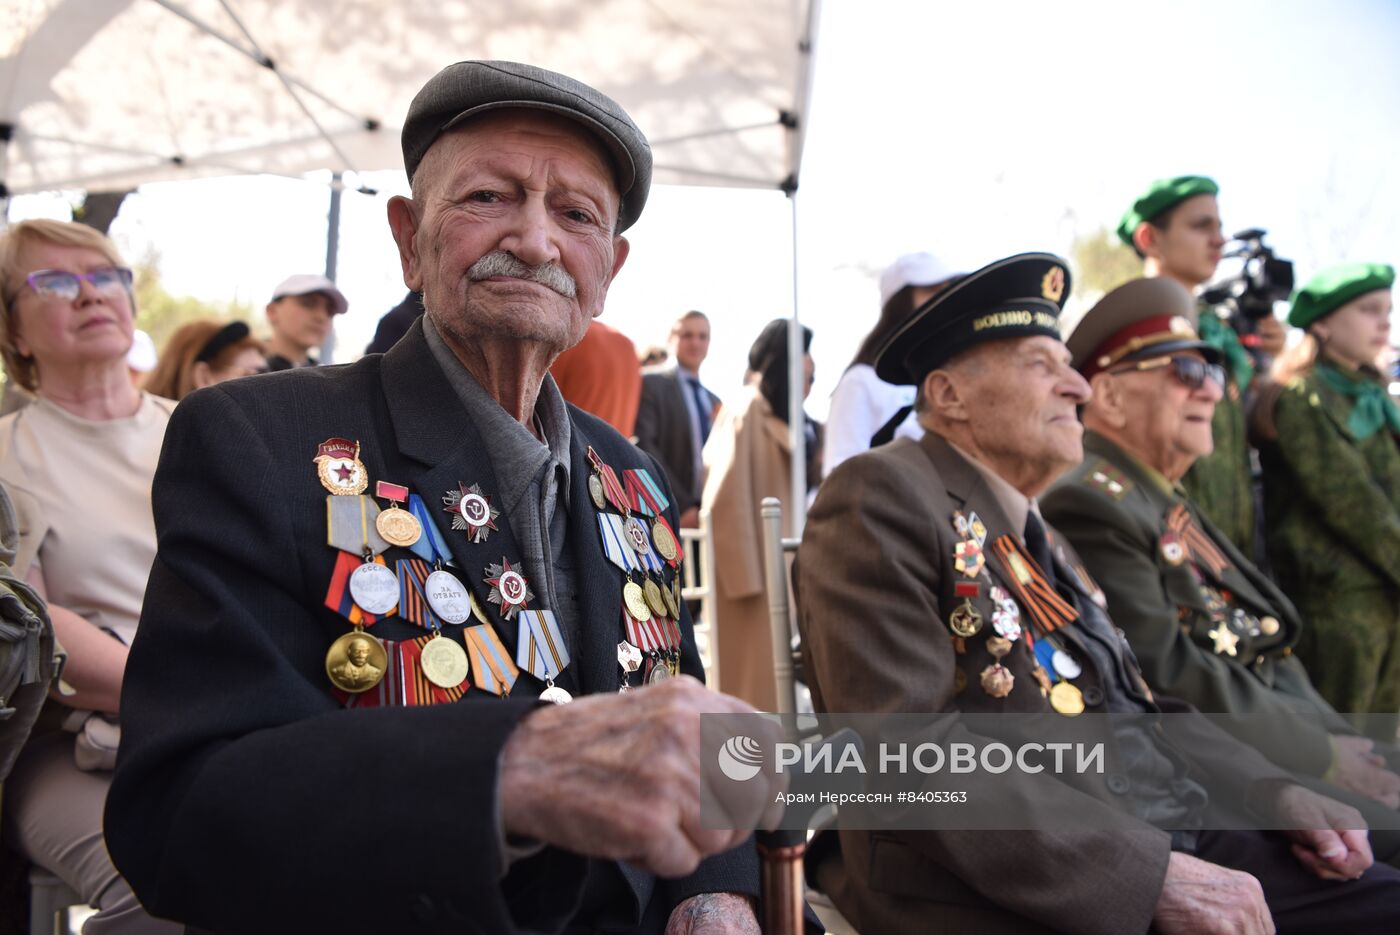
x=1263 y=280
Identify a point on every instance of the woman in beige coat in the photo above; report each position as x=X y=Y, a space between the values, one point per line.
x=748 y=457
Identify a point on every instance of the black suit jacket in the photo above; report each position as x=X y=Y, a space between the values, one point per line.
x=663 y=431
x=246 y=798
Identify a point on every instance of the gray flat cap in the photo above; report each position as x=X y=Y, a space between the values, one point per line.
x=467 y=88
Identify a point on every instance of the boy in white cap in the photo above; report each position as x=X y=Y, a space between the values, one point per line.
x=300 y=315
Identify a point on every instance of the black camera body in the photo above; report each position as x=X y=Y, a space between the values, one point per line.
x=1264 y=280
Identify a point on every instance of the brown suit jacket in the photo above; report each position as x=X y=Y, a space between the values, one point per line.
x=875 y=581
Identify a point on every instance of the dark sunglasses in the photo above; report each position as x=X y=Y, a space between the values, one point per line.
x=60 y=284
x=1191 y=372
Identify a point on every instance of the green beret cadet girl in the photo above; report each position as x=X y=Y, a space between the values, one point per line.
x=1332 y=491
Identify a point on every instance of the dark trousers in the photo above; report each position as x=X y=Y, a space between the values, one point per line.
x=1300 y=902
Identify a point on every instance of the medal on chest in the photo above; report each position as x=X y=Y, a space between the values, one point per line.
x=471 y=511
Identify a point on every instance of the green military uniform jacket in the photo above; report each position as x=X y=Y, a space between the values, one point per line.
x=1332 y=504
x=1185 y=608
x=1221 y=485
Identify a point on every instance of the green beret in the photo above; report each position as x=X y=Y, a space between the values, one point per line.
x=1160 y=196
x=1334 y=287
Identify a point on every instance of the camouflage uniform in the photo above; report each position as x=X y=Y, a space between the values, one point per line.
x=1332 y=505
x=1222 y=483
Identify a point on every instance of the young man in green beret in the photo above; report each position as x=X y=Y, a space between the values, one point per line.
x=1175 y=227
x=1331 y=460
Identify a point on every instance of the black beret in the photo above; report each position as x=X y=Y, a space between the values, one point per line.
x=1017 y=297
x=467 y=88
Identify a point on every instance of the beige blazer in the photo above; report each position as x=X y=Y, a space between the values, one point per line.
x=748 y=457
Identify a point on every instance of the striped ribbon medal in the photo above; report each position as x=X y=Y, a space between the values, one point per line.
x=1045 y=606
x=1198 y=545
x=613 y=491
x=644 y=495
x=540 y=650
x=338 y=596
x=413 y=601
x=491 y=666
x=431 y=547
x=404 y=684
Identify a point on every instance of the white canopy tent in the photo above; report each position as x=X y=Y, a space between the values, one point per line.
x=109 y=94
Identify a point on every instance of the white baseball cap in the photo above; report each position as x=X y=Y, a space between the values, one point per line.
x=307 y=283
x=142 y=356
x=912 y=269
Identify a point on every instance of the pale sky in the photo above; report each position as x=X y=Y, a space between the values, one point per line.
x=971 y=130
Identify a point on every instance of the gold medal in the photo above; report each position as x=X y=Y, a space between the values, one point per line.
x=398 y=527
x=997 y=680
x=998 y=646
x=652 y=593
x=965 y=620
x=443 y=662
x=477 y=612
x=636 y=601
x=356 y=662
x=1066 y=699
x=664 y=541
x=669 y=597
x=1268 y=625
x=595 y=491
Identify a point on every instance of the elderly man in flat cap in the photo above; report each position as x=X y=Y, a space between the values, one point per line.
x=1205 y=624
x=496 y=548
x=928 y=583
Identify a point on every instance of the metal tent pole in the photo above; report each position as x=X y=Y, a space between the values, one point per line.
x=797 y=426
x=332 y=254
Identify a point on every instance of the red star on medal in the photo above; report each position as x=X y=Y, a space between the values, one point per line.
x=344 y=471
x=509 y=588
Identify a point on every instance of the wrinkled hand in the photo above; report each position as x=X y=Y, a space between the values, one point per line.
x=1329 y=837
x=713 y=914
x=1357 y=769
x=619 y=777
x=1200 y=898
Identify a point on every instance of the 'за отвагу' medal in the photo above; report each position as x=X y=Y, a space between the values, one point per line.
x=448 y=597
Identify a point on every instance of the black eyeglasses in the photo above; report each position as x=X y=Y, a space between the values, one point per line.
x=1191 y=372
x=60 y=284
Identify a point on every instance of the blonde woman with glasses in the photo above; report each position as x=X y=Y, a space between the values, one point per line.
x=78 y=462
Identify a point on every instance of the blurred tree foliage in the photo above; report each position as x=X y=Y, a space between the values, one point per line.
x=1102 y=262
x=159 y=313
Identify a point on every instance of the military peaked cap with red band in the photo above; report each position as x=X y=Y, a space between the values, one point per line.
x=1141 y=319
